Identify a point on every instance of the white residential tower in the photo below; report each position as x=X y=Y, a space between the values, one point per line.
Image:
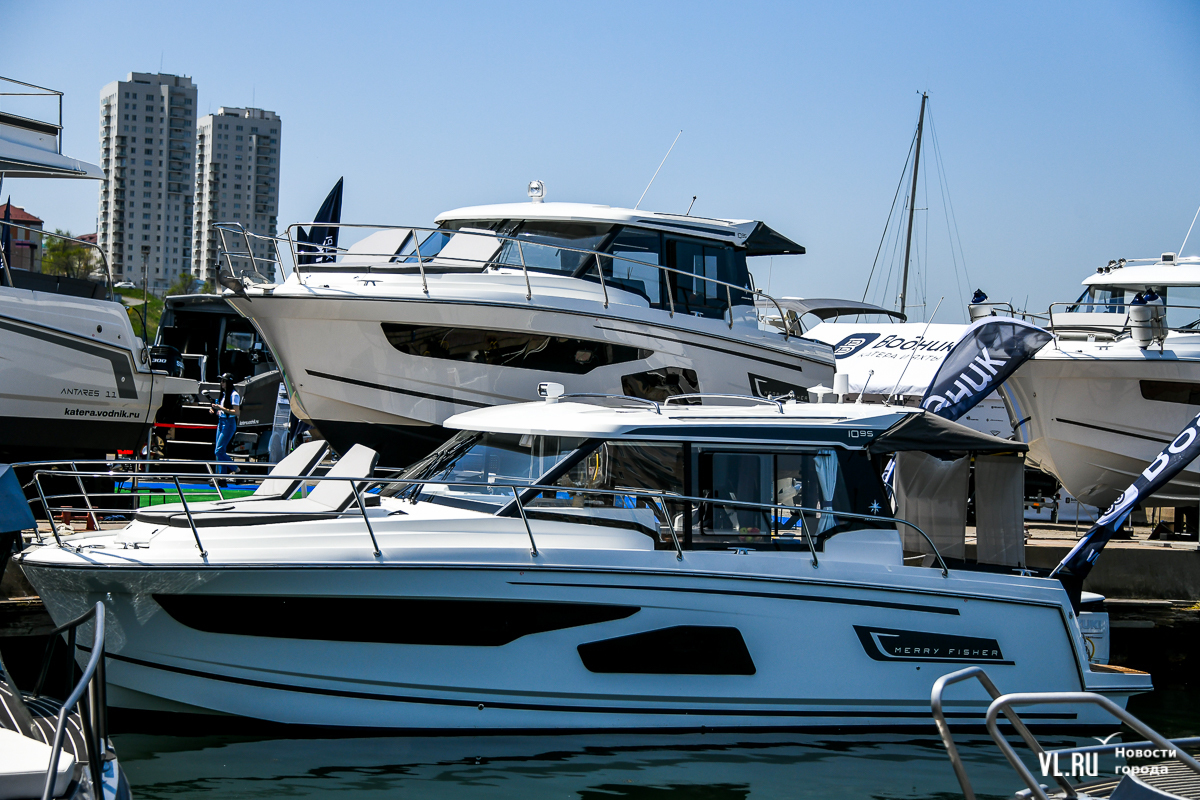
x=147 y=147
x=237 y=181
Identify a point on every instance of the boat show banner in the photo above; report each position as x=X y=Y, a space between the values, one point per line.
x=896 y=358
x=949 y=367
x=1170 y=462
x=989 y=351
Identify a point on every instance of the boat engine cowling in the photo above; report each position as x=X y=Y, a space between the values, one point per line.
x=1141 y=321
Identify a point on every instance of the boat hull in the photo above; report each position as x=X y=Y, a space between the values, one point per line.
x=1088 y=422
x=346 y=378
x=814 y=650
x=70 y=383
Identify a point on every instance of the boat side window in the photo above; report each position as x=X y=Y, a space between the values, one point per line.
x=815 y=480
x=1183 y=306
x=430 y=246
x=633 y=250
x=543 y=243
x=520 y=349
x=612 y=466
x=1182 y=392
x=695 y=261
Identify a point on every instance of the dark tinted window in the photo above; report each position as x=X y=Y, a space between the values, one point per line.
x=699 y=264
x=509 y=348
x=632 y=251
x=1172 y=392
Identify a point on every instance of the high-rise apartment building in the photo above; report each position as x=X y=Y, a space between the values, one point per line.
x=147 y=150
x=237 y=181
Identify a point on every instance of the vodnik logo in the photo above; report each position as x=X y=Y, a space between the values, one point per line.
x=853 y=343
x=112 y=413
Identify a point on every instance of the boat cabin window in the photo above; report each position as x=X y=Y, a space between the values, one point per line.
x=1101 y=300
x=695 y=295
x=633 y=250
x=593 y=486
x=1183 y=306
x=825 y=479
x=489 y=459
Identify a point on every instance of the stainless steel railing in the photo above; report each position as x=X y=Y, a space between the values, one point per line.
x=235 y=231
x=42 y=91
x=1003 y=704
x=55 y=235
x=406 y=259
x=523 y=494
x=94 y=716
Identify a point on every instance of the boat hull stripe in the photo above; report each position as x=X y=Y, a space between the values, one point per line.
x=810 y=598
x=832 y=713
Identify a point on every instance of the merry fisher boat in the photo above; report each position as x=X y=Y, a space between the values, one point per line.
x=384 y=340
x=578 y=563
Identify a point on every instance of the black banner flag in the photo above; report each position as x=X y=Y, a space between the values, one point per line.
x=987 y=354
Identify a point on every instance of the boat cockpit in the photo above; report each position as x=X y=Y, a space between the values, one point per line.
x=757 y=474
x=673 y=262
x=1170 y=283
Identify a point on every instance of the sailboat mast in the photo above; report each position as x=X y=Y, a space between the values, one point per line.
x=912 y=203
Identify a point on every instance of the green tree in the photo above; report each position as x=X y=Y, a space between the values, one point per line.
x=181 y=285
x=61 y=257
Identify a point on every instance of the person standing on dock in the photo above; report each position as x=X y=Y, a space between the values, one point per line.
x=227 y=408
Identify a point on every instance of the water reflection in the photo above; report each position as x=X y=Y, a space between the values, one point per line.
x=591 y=767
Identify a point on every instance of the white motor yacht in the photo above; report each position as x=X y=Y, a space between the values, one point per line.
x=412 y=325
x=1119 y=382
x=75 y=380
x=577 y=564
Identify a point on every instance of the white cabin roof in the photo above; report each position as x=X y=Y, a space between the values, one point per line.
x=573 y=418
x=734 y=231
x=1183 y=272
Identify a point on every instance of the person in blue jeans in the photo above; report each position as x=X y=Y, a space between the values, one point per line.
x=227 y=408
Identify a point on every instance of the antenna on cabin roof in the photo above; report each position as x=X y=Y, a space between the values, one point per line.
x=689 y=211
x=655 y=175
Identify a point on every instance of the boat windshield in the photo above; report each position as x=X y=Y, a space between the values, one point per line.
x=542 y=242
x=1101 y=300
x=495 y=460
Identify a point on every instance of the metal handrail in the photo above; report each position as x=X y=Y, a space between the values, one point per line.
x=239 y=230
x=939 y=717
x=520 y=492
x=521 y=243
x=54 y=234
x=1125 y=324
x=602 y=396
x=187 y=511
x=766 y=401
x=1006 y=702
x=94 y=718
x=43 y=92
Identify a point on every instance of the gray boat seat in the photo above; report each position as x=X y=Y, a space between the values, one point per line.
x=326 y=499
x=301 y=461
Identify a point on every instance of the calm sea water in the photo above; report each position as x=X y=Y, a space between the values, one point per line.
x=589 y=767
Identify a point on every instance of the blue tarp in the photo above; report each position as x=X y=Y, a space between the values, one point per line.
x=14 y=510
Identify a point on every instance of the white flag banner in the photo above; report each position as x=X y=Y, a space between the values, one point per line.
x=905 y=356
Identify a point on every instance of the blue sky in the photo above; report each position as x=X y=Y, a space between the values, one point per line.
x=1069 y=133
